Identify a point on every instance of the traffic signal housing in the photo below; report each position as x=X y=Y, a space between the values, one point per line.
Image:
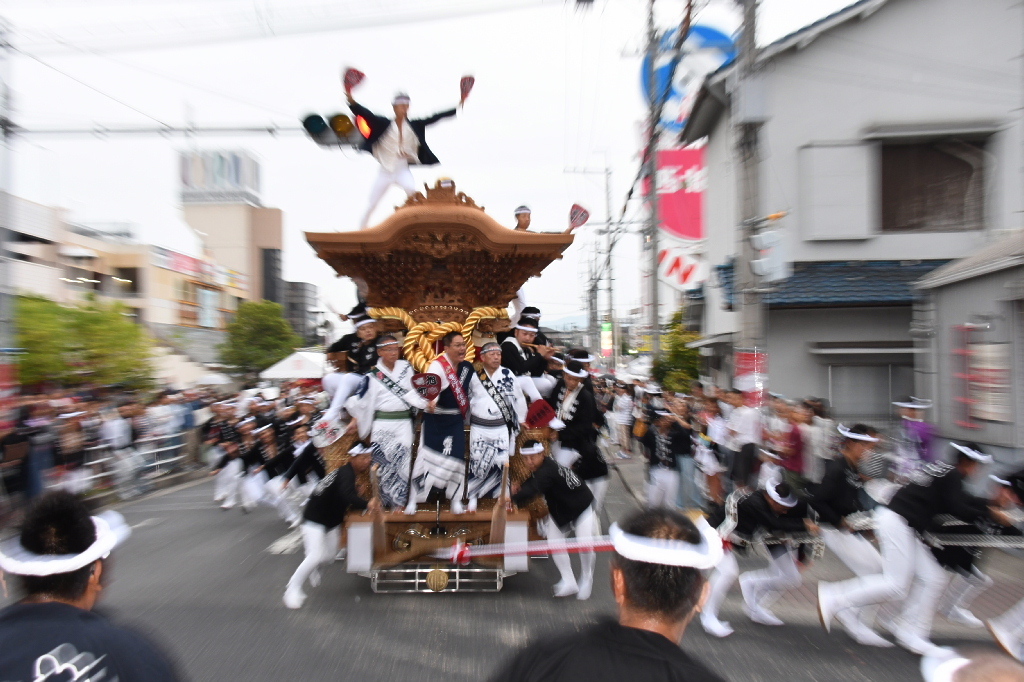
x=772 y=265
x=336 y=131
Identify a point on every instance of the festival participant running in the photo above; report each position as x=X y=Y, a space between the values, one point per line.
x=577 y=442
x=353 y=355
x=325 y=511
x=914 y=437
x=838 y=497
x=658 y=585
x=497 y=408
x=910 y=573
x=664 y=442
x=1008 y=629
x=382 y=411
x=570 y=508
x=773 y=510
x=61 y=561
x=396 y=145
x=441 y=456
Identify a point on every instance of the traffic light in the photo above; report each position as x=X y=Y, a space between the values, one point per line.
x=336 y=131
x=771 y=263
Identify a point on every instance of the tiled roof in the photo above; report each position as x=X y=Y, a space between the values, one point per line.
x=841 y=283
x=1008 y=252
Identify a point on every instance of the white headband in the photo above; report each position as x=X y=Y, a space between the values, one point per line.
x=558 y=359
x=670 y=552
x=360 y=323
x=111 y=530
x=579 y=375
x=914 y=404
x=359 y=449
x=588 y=358
x=973 y=454
x=387 y=343
x=526 y=328
x=535 y=449
x=769 y=453
x=774 y=494
x=1000 y=481
x=522 y=209
x=663 y=413
x=847 y=433
x=400 y=98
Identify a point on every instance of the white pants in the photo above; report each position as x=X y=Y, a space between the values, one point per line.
x=320 y=546
x=584 y=527
x=662 y=487
x=528 y=386
x=722 y=578
x=253 y=489
x=859 y=555
x=401 y=176
x=227 y=483
x=909 y=574
x=564 y=456
x=598 y=486
x=346 y=386
x=781 y=574
x=283 y=499
x=544 y=384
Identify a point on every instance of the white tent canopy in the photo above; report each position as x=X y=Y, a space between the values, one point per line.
x=299 y=365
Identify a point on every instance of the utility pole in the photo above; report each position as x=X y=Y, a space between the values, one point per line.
x=8 y=371
x=750 y=356
x=596 y=274
x=650 y=160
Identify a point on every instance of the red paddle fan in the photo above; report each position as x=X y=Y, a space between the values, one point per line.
x=540 y=414
x=352 y=78
x=577 y=216
x=427 y=385
x=466 y=85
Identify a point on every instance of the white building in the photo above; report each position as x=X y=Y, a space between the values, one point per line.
x=894 y=139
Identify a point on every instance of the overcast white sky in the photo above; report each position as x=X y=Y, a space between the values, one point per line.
x=556 y=88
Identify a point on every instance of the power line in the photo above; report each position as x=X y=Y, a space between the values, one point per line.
x=93 y=88
x=322 y=18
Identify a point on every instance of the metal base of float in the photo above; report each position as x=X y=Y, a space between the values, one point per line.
x=429 y=577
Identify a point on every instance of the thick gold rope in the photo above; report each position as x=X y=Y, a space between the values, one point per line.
x=418 y=346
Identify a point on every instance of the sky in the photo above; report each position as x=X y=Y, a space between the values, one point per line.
x=557 y=89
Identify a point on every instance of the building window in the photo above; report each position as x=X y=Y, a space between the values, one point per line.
x=272 y=283
x=125 y=282
x=933 y=186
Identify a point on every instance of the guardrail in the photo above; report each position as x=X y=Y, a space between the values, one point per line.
x=131 y=472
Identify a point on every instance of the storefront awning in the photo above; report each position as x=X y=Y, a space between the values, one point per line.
x=864 y=348
x=711 y=340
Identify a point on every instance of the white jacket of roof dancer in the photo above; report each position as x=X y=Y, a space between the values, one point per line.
x=341 y=383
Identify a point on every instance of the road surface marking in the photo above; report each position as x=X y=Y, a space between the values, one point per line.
x=286 y=544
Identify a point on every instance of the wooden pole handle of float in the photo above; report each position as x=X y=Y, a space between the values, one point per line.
x=499 y=515
x=380 y=540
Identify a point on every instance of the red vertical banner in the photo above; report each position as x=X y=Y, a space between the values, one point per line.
x=751 y=375
x=8 y=393
x=681 y=182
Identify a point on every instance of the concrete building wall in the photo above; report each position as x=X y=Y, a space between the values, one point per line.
x=981 y=300
x=226 y=232
x=886 y=70
x=859 y=385
x=720 y=225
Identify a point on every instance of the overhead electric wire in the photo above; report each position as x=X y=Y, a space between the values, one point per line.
x=243 y=25
x=90 y=87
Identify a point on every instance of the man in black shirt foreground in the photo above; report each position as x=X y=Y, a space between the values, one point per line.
x=325 y=511
x=658 y=586
x=60 y=563
x=910 y=573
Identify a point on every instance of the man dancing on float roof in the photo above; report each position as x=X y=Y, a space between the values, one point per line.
x=396 y=145
x=441 y=457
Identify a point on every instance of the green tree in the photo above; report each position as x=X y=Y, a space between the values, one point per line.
x=109 y=347
x=678 y=365
x=258 y=337
x=92 y=342
x=44 y=337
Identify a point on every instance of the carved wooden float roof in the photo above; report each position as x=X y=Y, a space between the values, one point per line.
x=439 y=249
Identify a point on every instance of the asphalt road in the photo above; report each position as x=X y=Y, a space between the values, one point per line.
x=206 y=586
